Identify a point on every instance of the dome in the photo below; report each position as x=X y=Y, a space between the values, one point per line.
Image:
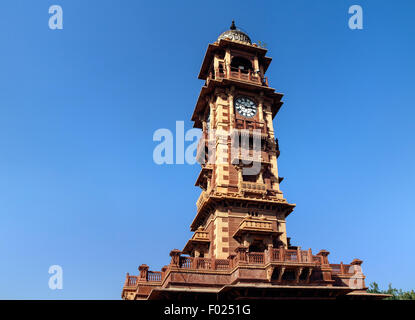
x=235 y=34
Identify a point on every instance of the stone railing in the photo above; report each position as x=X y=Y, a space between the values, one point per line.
x=244 y=257
x=202 y=198
x=246 y=157
x=154 y=276
x=252 y=187
x=203 y=263
x=238 y=74
x=222 y=264
x=256 y=224
x=282 y=256
x=256 y=257
x=296 y=256
x=342 y=269
x=200 y=235
x=145 y=276
x=131 y=281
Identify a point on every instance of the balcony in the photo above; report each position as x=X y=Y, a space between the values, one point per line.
x=147 y=276
x=204 y=196
x=280 y=256
x=248 y=157
x=252 y=187
x=203 y=263
x=201 y=235
x=203 y=180
x=342 y=269
x=256 y=258
x=238 y=74
x=131 y=281
x=200 y=239
x=254 y=225
x=154 y=276
x=274 y=265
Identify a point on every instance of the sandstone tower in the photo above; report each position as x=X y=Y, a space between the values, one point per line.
x=240 y=248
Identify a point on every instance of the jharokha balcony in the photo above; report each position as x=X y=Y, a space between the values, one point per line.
x=235 y=73
x=252 y=187
x=254 y=226
x=274 y=266
x=204 y=196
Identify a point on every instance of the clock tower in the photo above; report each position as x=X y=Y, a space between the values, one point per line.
x=239 y=248
x=241 y=203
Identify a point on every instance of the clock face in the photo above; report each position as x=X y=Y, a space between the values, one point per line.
x=245 y=107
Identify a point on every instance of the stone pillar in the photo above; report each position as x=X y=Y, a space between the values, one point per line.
x=357 y=281
x=268 y=253
x=231 y=259
x=299 y=254
x=195 y=263
x=228 y=62
x=143 y=271
x=216 y=63
x=261 y=108
x=175 y=257
x=310 y=255
x=282 y=228
x=324 y=254
x=231 y=108
x=325 y=266
x=163 y=272
x=256 y=63
x=241 y=252
x=213 y=263
x=282 y=254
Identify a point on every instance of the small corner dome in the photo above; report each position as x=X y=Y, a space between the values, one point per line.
x=235 y=34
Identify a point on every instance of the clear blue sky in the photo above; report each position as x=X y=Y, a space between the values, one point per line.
x=79 y=106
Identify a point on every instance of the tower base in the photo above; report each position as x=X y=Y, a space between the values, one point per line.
x=273 y=274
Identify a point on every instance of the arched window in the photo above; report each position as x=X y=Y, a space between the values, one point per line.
x=257 y=246
x=241 y=63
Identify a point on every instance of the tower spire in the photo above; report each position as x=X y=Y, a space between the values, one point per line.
x=233 y=27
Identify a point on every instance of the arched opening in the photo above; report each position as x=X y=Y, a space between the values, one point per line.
x=257 y=246
x=249 y=178
x=304 y=274
x=289 y=275
x=275 y=274
x=277 y=243
x=239 y=63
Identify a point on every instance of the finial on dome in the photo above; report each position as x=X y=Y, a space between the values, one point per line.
x=235 y=34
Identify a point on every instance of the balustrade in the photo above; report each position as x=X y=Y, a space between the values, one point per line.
x=280 y=255
x=202 y=198
x=256 y=257
x=186 y=262
x=154 y=276
x=239 y=74
x=203 y=263
x=291 y=255
x=342 y=269
x=253 y=187
x=273 y=255
x=222 y=264
x=131 y=280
